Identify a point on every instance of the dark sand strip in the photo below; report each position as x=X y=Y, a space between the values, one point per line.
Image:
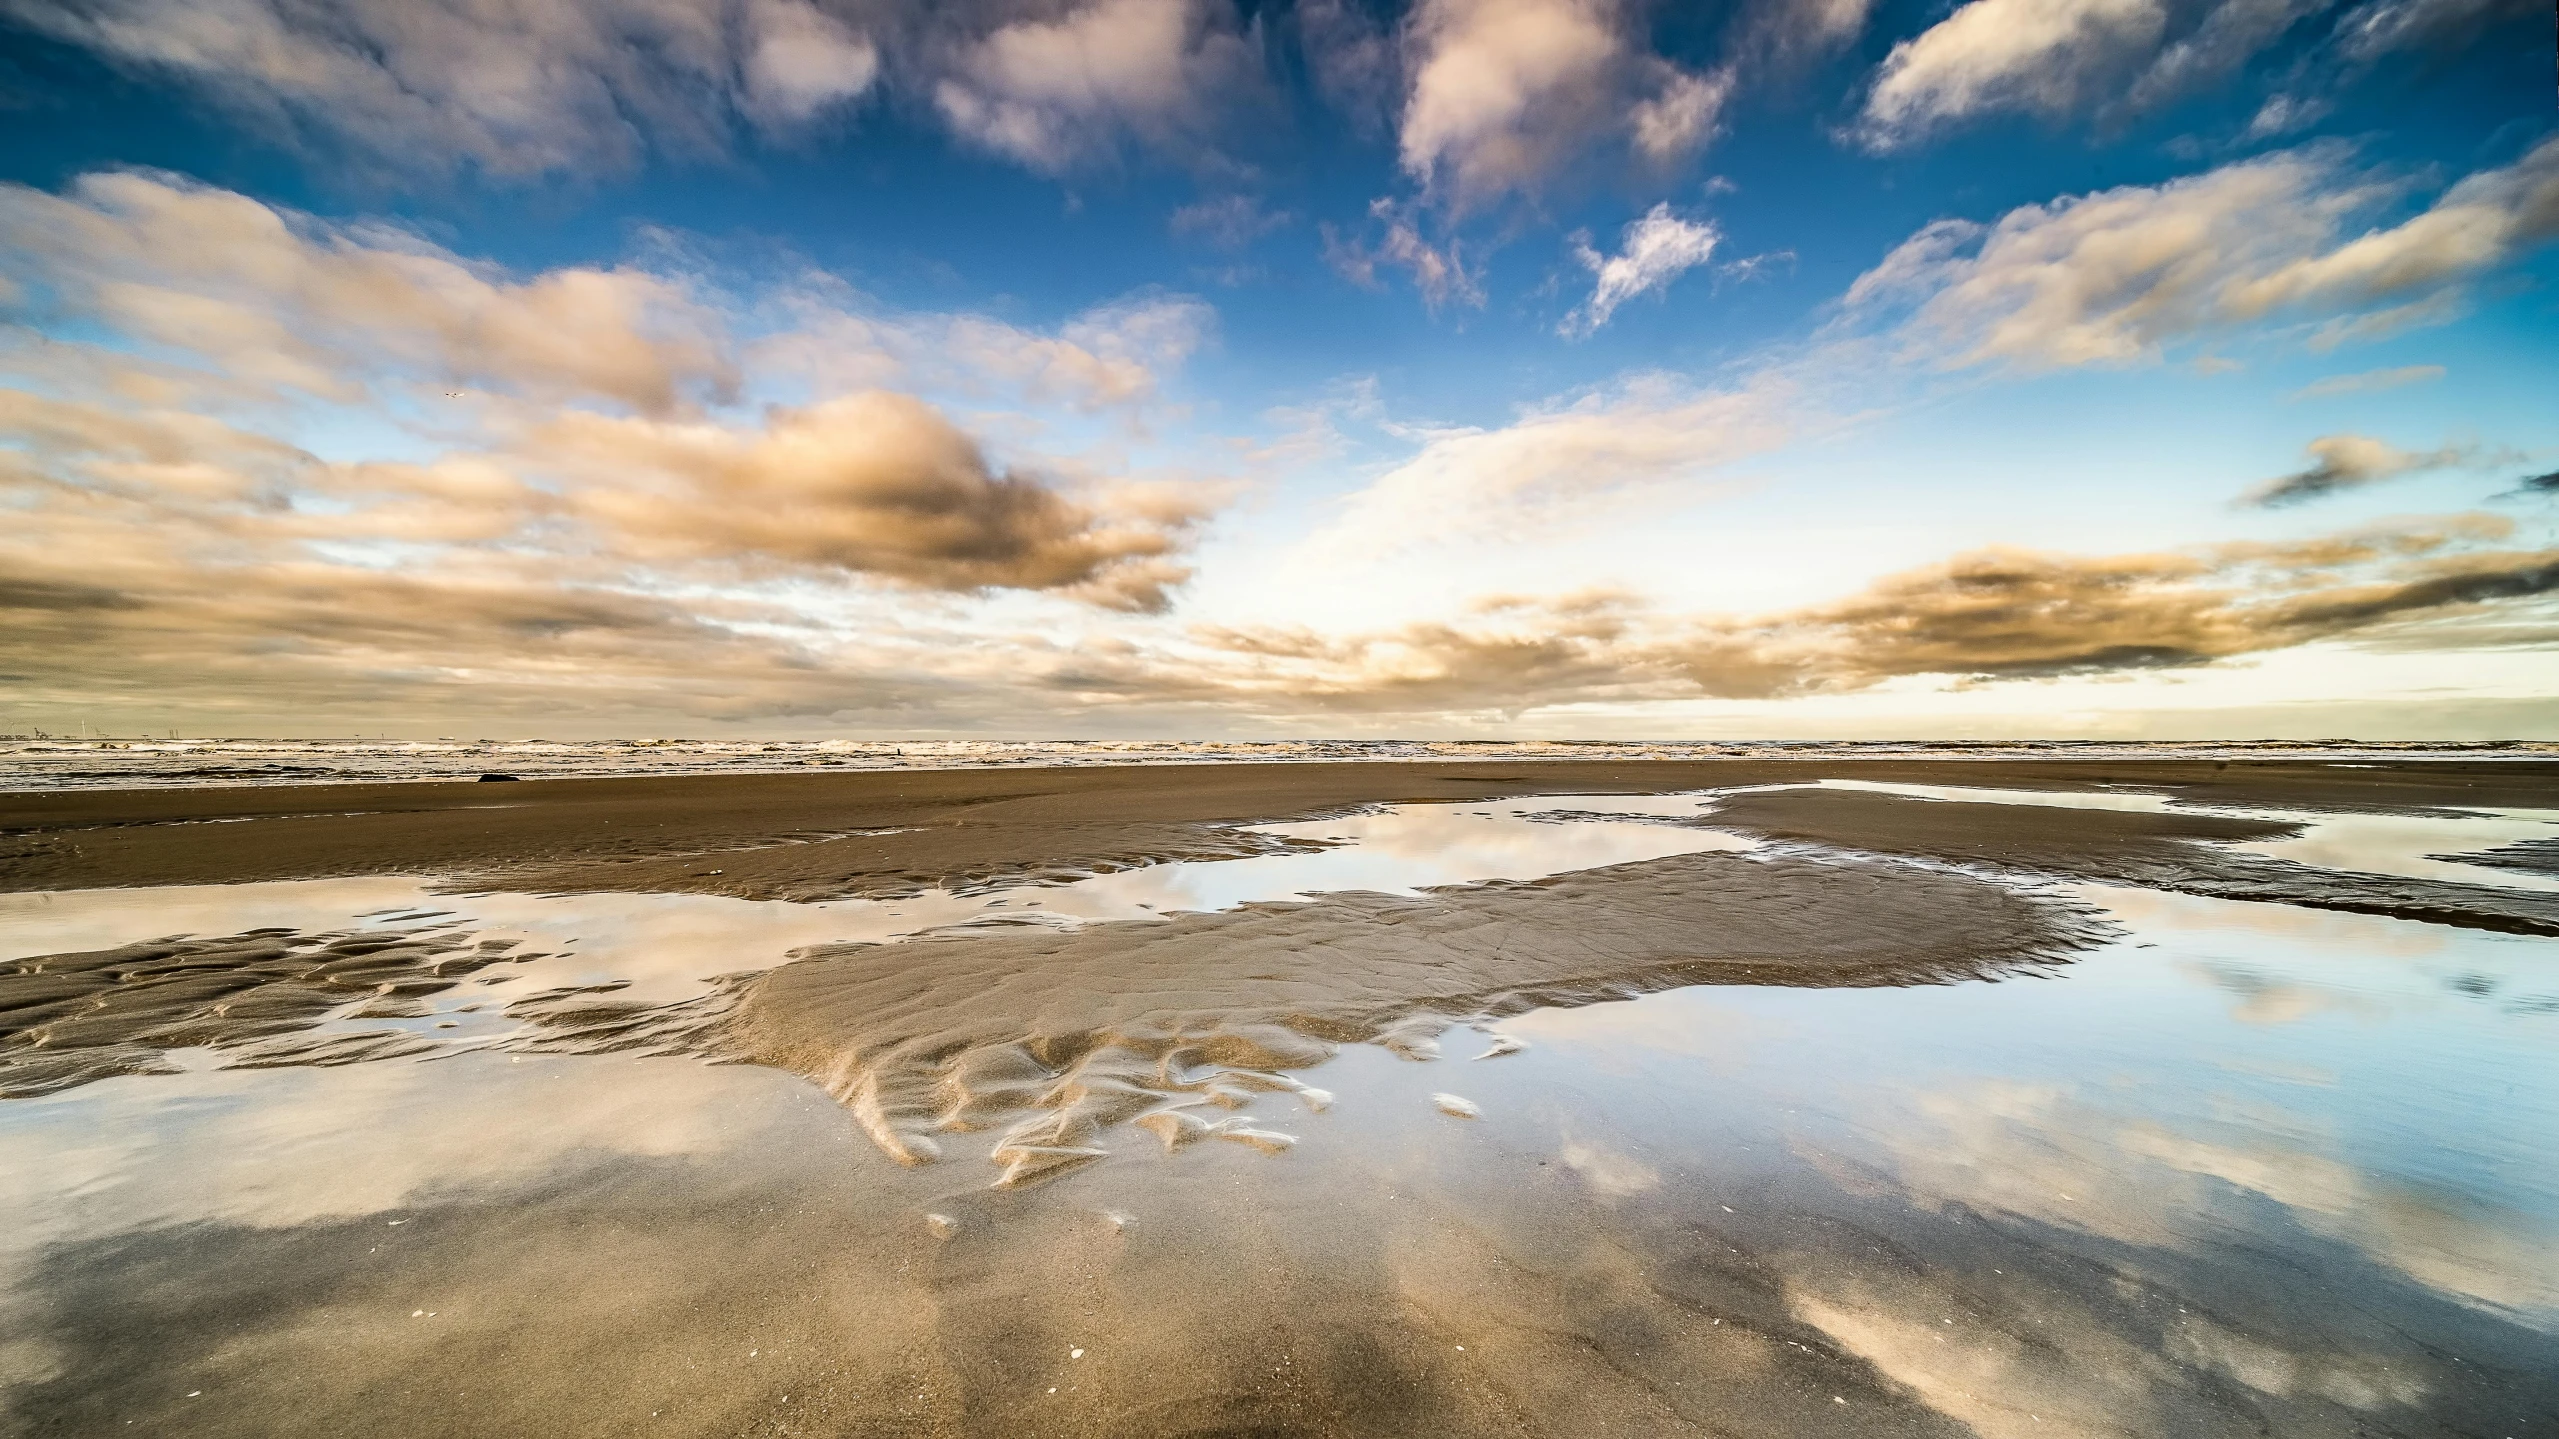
x=821 y=836
x=2531 y=856
x=2153 y=851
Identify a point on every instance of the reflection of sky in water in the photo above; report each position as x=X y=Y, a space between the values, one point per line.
x=665 y=945
x=2251 y=1088
x=2366 y=843
x=2386 y=1085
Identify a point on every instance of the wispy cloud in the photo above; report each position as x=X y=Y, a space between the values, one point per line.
x=2045 y=56
x=2349 y=462
x=1228 y=222
x=1655 y=250
x=1439 y=272
x=2369 y=381
x=2117 y=58
x=548 y=87
x=2119 y=275
x=554 y=89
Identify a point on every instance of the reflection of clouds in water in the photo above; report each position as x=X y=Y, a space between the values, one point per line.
x=271 y=1149
x=2038 y=1152
x=1608 y=1171
x=2308 y=1075
x=2001 y=1385
x=665 y=945
x=2015 y=1355
x=1420 y=845
x=2364 y=843
x=2131 y=801
x=1603 y=1035
x=2262 y=1000
x=2405 y=844
x=2159 y=914
x=280 y=1148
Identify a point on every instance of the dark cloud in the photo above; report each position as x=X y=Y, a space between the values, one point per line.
x=2348 y=462
x=1986 y=617
x=872 y=483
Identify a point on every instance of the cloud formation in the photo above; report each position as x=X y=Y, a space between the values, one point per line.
x=1543 y=471
x=2042 y=56
x=548 y=89
x=2114 y=59
x=870 y=483
x=1984 y=617
x=591 y=523
x=288 y=301
x=2119 y=275
x=1050 y=91
x=2349 y=462
x=1439 y=272
x=1228 y=222
x=2369 y=381
x=1500 y=93
x=513 y=88
x=1657 y=249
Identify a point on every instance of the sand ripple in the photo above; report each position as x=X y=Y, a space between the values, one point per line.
x=1177 y=1027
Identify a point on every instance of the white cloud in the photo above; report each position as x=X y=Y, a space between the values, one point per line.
x=1111 y=356
x=2044 y=56
x=2380 y=27
x=284 y=300
x=1784 y=34
x=1502 y=89
x=2117 y=276
x=1051 y=93
x=518 y=88
x=1657 y=249
x=1678 y=121
x=802 y=60
x=1544 y=470
x=2119 y=58
x=1501 y=93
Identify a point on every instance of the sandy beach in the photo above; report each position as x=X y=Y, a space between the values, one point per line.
x=1539 y=1098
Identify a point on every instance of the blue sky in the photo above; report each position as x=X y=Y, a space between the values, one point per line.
x=1141 y=367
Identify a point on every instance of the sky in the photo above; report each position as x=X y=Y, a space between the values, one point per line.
x=1196 y=368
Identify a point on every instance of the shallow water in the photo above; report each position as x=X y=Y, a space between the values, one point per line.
x=2416 y=846
x=665 y=947
x=2245 y=1169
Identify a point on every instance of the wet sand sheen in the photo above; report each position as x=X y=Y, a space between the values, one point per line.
x=888 y=833
x=1118 y=1023
x=1179 y=1234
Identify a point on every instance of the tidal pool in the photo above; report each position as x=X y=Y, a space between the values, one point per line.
x=2241 y=1168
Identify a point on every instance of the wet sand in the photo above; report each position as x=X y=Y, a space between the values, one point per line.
x=1484 y=1159
x=1170 y=1026
x=804 y=837
x=2154 y=851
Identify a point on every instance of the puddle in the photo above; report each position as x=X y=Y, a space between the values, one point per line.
x=659 y=948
